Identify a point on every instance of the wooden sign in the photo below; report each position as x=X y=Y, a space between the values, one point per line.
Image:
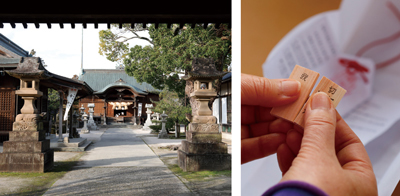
x=295 y=111
x=334 y=91
x=307 y=78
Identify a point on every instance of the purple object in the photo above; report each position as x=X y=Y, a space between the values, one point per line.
x=294 y=188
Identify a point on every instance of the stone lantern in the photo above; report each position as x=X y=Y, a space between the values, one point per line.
x=91 y=124
x=148 y=120
x=85 y=129
x=82 y=109
x=163 y=133
x=203 y=149
x=27 y=150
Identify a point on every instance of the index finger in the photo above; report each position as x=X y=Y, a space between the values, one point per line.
x=268 y=93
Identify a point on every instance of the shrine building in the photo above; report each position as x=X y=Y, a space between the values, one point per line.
x=117 y=96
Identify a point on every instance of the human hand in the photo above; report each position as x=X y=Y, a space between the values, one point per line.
x=261 y=132
x=334 y=161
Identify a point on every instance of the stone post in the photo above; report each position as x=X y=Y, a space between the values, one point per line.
x=27 y=150
x=85 y=129
x=163 y=133
x=203 y=148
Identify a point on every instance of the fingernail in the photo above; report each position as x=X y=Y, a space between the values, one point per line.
x=320 y=101
x=290 y=87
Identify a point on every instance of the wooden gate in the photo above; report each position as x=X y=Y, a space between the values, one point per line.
x=7 y=113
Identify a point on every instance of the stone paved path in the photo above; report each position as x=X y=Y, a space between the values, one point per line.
x=119 y=164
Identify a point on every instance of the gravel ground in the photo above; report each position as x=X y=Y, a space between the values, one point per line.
x=9 y=185
x=130 y=178
x=217 y=185
x=119 y=164
x=119 y=181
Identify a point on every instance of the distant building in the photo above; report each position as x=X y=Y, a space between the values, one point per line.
x=117 y=95
x=224 y=113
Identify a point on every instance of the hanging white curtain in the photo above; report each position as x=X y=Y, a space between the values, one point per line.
x=224 y=110
x=215 y=108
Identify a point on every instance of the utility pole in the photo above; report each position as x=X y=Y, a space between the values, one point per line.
x=82 y=54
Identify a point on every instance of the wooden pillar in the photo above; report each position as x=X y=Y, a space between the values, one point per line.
x=60 y=118
x=71 y=122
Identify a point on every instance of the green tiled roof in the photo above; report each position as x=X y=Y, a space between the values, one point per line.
x=98 y=79
x=121 y=84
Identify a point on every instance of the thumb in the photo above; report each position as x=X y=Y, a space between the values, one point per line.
x=268 y=93
x=320 y=125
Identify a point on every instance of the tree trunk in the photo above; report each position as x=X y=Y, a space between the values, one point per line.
x=177 y=130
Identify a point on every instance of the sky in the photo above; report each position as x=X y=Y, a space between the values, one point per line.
x=61 y=48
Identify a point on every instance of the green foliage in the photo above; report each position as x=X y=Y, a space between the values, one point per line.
x=169 y=54
x=54 y=102
x=156 y=122
x=173 y=107
x=170 y=124
x=155 y=128
x=194 y=176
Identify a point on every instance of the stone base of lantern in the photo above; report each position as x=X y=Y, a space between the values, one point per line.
x=204 y=150
x=84 y=131
x=27 y=150
x=163 y=135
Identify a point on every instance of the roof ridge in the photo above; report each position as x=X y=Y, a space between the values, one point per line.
x=13 y=47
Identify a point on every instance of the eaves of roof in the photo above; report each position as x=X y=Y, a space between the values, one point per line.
x=145 y=12
x=227 y=77
x=13 y=47
x=7 y=61
x=99 y=79
x=138 y=90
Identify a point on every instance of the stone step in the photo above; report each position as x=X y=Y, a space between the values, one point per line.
x=74 y=142
x=81 y=148
x=74 y=145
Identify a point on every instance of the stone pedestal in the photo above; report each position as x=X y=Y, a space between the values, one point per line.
x=203 y=149
x=27 y=150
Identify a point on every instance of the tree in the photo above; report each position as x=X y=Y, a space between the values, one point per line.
x=169 y=54
x=173 y=106
x=53 y=103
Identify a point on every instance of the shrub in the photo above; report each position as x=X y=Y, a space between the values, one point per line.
x=155 y=128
